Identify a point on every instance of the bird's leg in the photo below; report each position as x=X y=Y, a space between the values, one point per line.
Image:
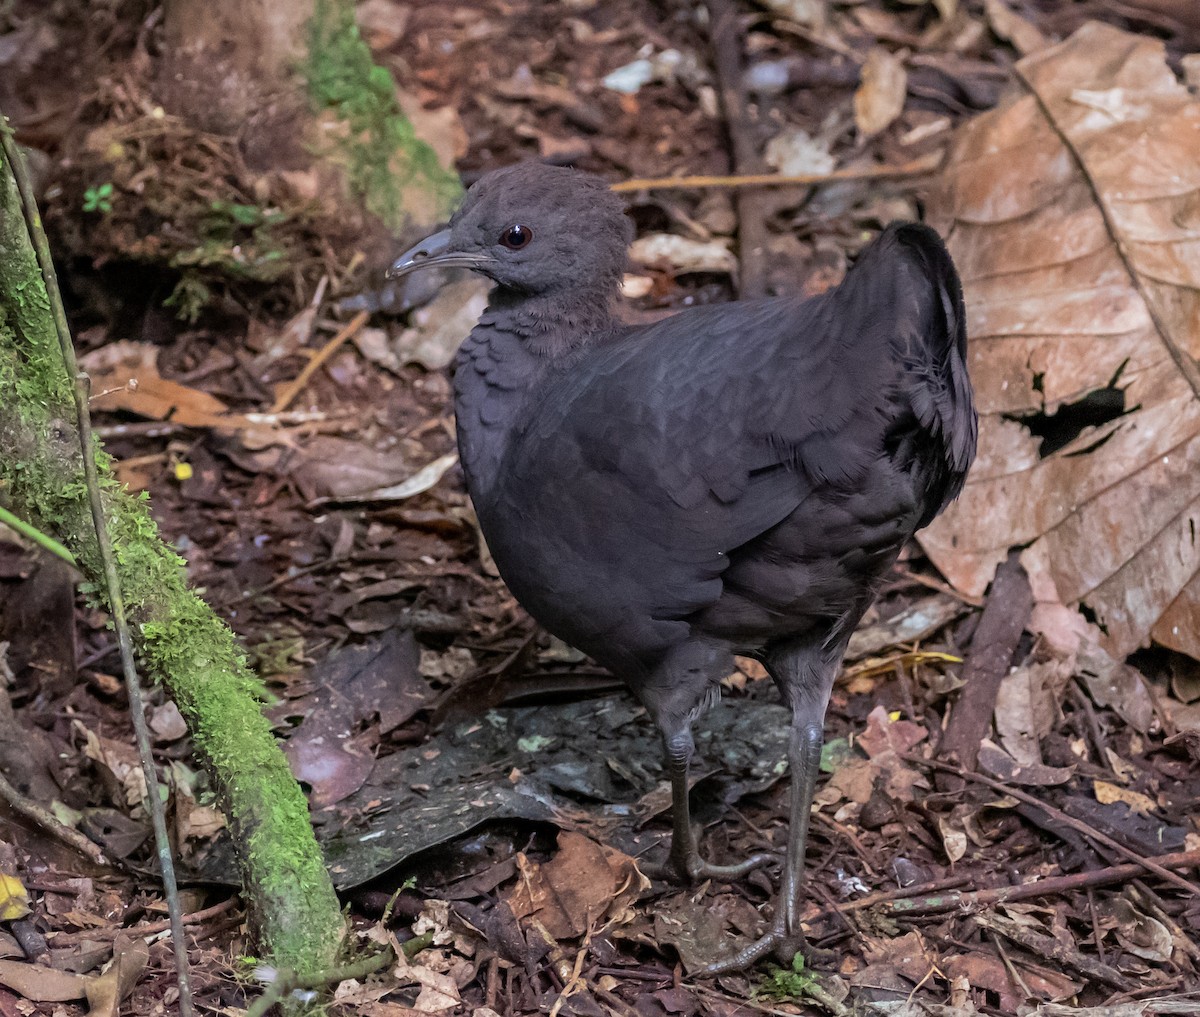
x=786 y=938
x=805 y=678
x=804 y=760
x=685 y=857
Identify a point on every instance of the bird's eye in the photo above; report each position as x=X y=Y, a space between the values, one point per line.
x=516 y=237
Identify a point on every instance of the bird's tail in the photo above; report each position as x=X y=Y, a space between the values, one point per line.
x=928 y=302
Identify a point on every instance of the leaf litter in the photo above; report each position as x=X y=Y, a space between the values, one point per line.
x=557 y=799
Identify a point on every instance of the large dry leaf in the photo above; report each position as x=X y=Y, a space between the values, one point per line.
x=1073 y=212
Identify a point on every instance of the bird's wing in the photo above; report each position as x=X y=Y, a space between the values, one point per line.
x=649 y=461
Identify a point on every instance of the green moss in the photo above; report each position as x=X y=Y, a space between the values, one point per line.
x=786 y=985
x=179 y=639
x=384 y=156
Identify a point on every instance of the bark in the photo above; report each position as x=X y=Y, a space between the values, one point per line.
x=293 y=910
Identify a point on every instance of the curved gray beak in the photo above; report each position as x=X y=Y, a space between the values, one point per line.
x=434 y=252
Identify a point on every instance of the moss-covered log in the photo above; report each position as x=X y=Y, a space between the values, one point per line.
x=294 y=911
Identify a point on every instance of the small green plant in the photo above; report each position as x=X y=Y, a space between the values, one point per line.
x=784 y=985
x=98 y=199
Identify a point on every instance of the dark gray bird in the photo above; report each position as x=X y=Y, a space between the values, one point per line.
x=733 y=479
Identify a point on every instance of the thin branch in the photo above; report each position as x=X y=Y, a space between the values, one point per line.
x=43 y=540
x=1060 y=817
x=284 y=982
x=44 y=818
x=41 y=248
x=322 y=355
x=917 y=167
x=958 y=900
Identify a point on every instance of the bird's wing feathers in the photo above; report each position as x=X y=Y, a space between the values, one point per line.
x=668 y=449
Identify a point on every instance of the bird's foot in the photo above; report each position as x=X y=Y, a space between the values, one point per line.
x=691 y=868
x=779 y=942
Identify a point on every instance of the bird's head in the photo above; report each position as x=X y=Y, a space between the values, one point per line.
x=533 y=229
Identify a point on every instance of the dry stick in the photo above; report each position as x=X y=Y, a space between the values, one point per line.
x=1059 y=816
x=726 y=37
x=957 y=900
x=141 y=931
x=41 y=248
x=917 y=167
x=323 y=354
x=1048 y=947
x=44 y=818
x=992 y=647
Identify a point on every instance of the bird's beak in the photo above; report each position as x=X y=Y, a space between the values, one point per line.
x=434 y=252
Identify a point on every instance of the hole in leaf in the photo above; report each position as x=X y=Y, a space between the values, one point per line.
x=1058 y=429
x=1090 y=615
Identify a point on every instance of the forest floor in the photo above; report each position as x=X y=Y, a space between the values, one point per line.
x=388 y=645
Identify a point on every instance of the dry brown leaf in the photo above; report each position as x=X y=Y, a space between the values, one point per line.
x=880 y=96
x=41 y=984
x=1107 y=794
x=105 y=991
x=584 y=886
x=1025 y=36
x=125 y=377
x=1073 y=212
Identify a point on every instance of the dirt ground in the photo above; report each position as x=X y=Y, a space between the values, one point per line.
x=379 y=616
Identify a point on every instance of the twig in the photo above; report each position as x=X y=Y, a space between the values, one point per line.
x=726 y=36
x=142 y=931
x=284 y=982
x=914 y=168
x=1059 y=816
x=996 y=639
x=41 y=248
x=37 y=536
x=930 y=904
x=322 y=355
x=899 y=894
x=1048 y=947
x=44 y=818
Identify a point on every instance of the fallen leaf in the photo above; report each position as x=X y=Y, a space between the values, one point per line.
x=584 y=886
x=1025 y=36
x=1027 y=708
x=880 y=95
x=1107 y=793
x=421 y=481
x=106 y=991
x=1140 y=934
x=954 y=839
x=997 y=763
x=125 y=377
x=795 y=152
x=438 y=327
x=1116 y=685
x=42 y=984
x=883 y=734
x=14 y=898
x=1071 y=211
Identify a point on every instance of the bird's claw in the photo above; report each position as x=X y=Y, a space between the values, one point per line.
x=693 y=868
x=782 y=944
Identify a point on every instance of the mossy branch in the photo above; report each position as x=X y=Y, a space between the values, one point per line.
x=290 y=899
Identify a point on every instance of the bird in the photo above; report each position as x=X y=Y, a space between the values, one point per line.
x=736 y=478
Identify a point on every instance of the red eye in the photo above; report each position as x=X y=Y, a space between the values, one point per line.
x=516 y=237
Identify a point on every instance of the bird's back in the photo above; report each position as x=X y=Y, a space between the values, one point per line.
x=746 y=471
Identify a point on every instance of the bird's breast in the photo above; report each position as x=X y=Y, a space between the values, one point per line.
x=494 y=377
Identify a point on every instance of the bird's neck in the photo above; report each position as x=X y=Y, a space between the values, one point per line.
x=554 y=324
